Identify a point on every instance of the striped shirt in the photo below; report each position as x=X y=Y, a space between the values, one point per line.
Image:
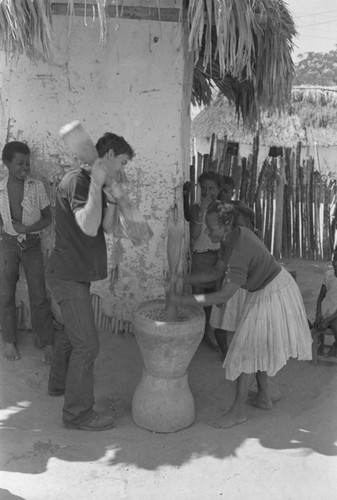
x=34 y=200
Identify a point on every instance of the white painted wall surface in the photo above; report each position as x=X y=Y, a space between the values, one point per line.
x=136 y=86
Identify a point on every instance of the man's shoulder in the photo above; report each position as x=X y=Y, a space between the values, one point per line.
x=75 y=183
x=74 y=175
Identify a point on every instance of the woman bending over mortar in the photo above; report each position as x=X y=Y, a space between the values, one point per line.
x=273 y=326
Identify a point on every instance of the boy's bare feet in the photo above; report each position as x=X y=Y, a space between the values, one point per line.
x=47 y=353
x=229 y=419
x=9 y=352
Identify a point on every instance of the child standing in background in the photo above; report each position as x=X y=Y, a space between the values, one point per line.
x=204 y=252
x=227 y=191
x=25 y=211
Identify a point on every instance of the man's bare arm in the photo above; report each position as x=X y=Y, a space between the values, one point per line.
x=89 y=218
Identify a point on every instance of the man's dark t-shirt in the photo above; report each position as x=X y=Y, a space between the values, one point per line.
x=76 y=256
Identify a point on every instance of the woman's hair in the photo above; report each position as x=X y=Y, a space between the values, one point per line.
x=227 y=190
x=247 y=213
x=13 y=147
x=117 y=143
x=226 y=212
x=211 y=176
x=229 y=181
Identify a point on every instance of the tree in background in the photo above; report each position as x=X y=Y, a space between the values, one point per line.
x=317 y=68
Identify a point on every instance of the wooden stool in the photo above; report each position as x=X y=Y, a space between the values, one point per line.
x=315 y=336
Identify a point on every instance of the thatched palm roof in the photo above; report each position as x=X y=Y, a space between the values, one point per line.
x=310 y=117
x=242 y=46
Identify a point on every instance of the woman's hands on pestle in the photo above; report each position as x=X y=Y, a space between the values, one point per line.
x=183 y=300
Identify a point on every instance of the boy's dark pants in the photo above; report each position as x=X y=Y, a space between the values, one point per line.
x=75 y=349
x=29 y=253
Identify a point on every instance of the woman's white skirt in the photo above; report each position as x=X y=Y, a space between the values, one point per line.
x=228 y=317
x=273 y=328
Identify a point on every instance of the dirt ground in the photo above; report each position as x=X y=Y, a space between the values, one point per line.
x=287 y=453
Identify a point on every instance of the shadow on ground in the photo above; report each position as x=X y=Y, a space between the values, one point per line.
x=32 y=431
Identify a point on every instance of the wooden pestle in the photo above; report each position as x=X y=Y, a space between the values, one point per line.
x=174 y=246
x=79 y=142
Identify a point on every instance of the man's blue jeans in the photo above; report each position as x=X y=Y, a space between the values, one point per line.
x=29 y=253
x=75 y=349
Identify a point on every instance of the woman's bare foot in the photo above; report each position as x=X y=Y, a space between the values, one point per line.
x=9 y=352
x=229 y=419
x=261 y=402
x=47 y=353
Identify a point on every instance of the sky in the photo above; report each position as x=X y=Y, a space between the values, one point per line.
x=316 y=23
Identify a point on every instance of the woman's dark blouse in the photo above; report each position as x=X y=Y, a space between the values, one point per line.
x=249 y=262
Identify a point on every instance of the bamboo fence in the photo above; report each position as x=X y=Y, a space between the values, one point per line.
x=294 y=204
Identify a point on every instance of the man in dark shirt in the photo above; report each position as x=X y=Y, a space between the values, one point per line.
x=83 y=213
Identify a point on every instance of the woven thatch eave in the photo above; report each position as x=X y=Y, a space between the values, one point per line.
x=314 y=94
x=26 y=28
x=257 y=74
x=242 y=46
x=310 y=117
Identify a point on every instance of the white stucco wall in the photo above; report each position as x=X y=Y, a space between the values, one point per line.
x=136 y=85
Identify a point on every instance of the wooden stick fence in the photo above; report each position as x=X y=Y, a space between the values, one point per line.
x=295 y=205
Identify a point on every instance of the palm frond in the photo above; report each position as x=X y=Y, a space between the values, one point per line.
x=241 y=46
x=26 y=28
x=248 y=52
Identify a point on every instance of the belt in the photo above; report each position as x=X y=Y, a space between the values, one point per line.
x=20 y=236
x=22 y=240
